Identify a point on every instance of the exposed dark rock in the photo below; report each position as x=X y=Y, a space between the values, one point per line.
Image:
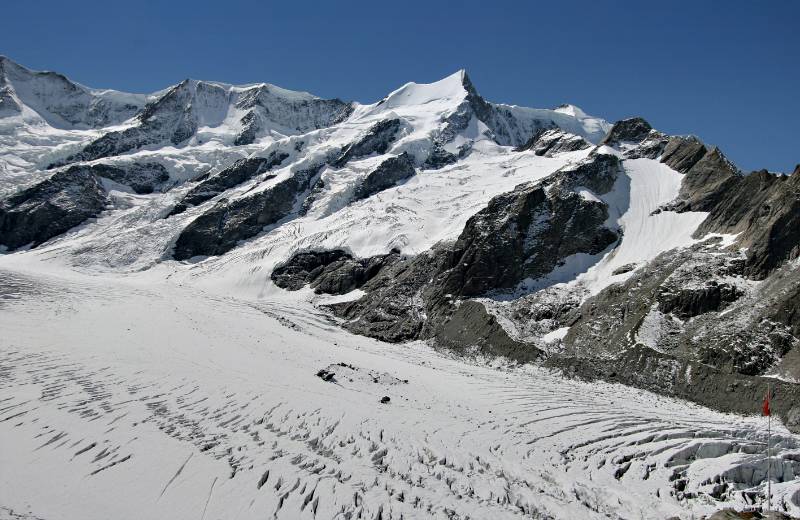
x=650 y=148
x=166 y=119
x=141 y=177
x=687 y=302
x=706 y=182
x=439 y=158
x=329 y=272
x=49 y=208
x=235 y=174
x=762 y=208
x=505 y=128
x=327 y=376
x=376 y=140
x=220 y=228
x=624 y=269
x=551 y=141
x=386 y=175
x=765 y=210
x=498 y=253
x=681 y=153
x=633 y=130
x=385 y=399
x=393 y=309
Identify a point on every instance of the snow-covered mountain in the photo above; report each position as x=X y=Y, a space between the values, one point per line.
x=208 y=291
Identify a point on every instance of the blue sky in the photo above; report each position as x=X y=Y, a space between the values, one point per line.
x=727 y=71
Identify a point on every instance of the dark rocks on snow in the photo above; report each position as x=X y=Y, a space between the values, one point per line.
x=224 y=225
x=51 y=207
x=376 y=140
x=550 y=141
x=389 y=173
x=385 y=399
x=141 y=177
x=329 y=272
x=165 y=119
x=326 y=376
x=230 y=177
x=526 y=233
x=633 y=130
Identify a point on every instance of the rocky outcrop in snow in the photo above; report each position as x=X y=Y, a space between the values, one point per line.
x=223 y=226
x=387 y=174
x=230 y=177
x=329 y=272
x=376 y=140
x=548 y=142
x=49 y=208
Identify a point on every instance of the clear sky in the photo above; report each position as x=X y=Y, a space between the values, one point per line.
x=727 y=71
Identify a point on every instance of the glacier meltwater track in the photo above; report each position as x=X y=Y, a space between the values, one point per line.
x=125 y=399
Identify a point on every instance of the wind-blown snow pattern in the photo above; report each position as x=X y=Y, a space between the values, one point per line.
x=133 y=385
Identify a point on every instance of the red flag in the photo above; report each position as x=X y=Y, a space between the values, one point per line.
x=765 y=408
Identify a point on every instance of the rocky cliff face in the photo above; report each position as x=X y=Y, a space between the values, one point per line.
x=50 y=208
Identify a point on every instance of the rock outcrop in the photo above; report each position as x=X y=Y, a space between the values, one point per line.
x=388 y=174
x=632 y=130
x=329 y=272
x=142 y=178
x=528 y=232
x=552 y=141
x=520 y=235
x=762 y=209
x=376 y=140
x=235 y=174
x=681 y=153
x=228 y=222
x=49 y=208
